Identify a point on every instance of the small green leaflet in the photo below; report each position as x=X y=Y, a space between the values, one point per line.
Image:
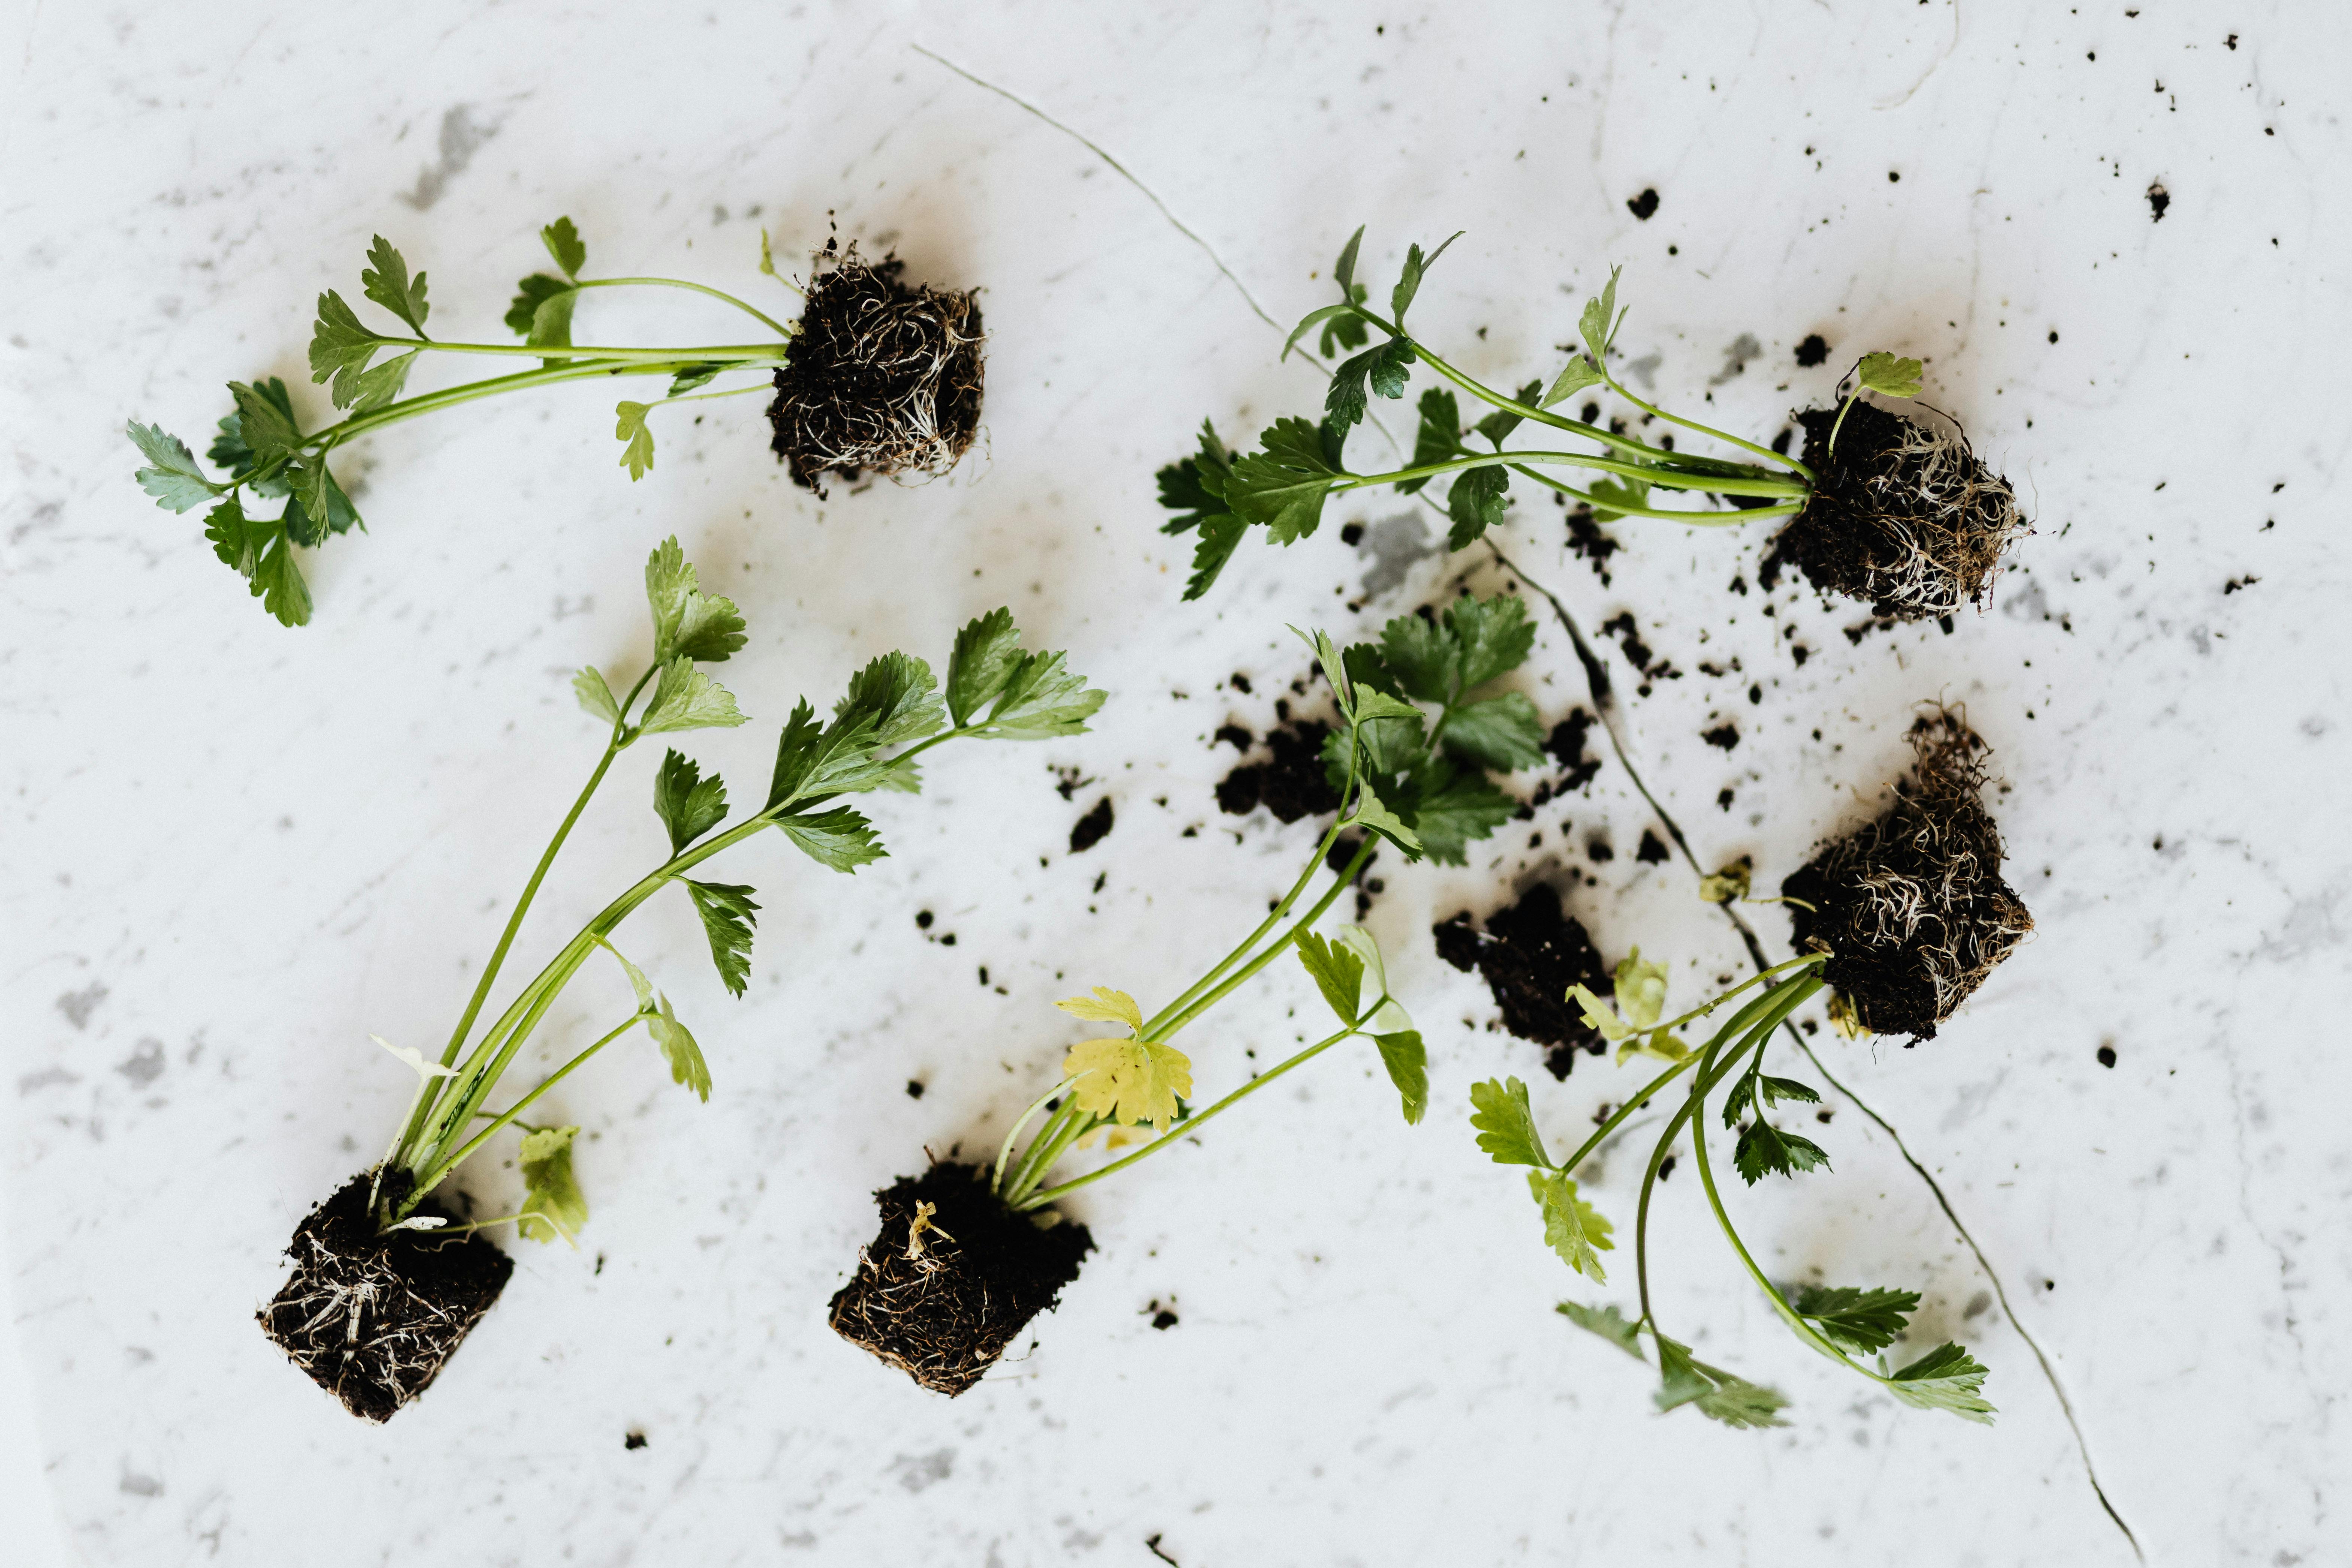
x=264 y=425
x=596 y=698
x=727 y=915
x=1889 y=376
x=386 y=281
x=689 y=805
x=1501 y=733
x=1573 y=378
x=228 y=449
x=1386 y=368
x=1423 y=656
x=680 y=1050
x=277 y=583
x=1372 y=703
x=1493 y=637
x=1475 y=502
x=1718 y=1395
x=1864 y=1321
x=1438 y=438
x=1346 y=330
x=1641 y=990
x=1764 y=1148
x=1219 y=536
x=1572 y=1227
x=1773 y=1089
x=1416 y=268
x=897 y=692
x=564 y=243
x=1613 y=498
x=1344 y=269
x=768 y=258
x=692 y=377
x=987 y=652
x=1339 y=973
x=1506 y=1126
x=1455 y=807
x=384 y=384
x=341 y=347
x=1377 y=818
x=700 y=626
x=637 y=981
x=637 y=456
x=1608 y=1323
x=685 y=698
x=1194 y=487
x=1283 y=486
x=529 y=294
x=1494 y=426
x=1600 y=320
x=231 y=537
x=1042 y=697
x=1946 y=1378
x=840 y=838
x=1338 y=322
x=171 y=476
x=552 y=1203
x=1407 y=1061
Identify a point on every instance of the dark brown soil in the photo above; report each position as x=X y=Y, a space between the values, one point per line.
x=372 y=1319
x=1092 y=828
x=1292 y=785
x=1531 y=953
x=1814 y=351
x=1644 y=207
x=1567 y=747
x=1587 y=538
x=946 y=1315
x=882 y=377
x=1903 y=517
x=1912 y=908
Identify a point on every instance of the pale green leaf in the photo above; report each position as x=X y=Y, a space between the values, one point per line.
x=386 y=281
x=637 y=455
x=553 y=1202
x=1506 y=1126
x=171 y=476
x=1105 y=1007
x=1572 y=1227
x=596 y=698
x=727 y=915
x=1641 y=990
x=679 y=1048
x=1339 y=973
x=1889 y=376
x=1608 y=1323
x=687 y=698
x=839 y=840
x=1946 y=1378
x=564 y=243
x=1407 y=1061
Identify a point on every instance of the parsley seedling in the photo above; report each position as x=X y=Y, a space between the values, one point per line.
x=1911 y=520
x=894 y=711
x=873 y=376
x=958 y=1270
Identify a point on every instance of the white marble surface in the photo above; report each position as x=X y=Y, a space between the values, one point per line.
x=234 y=852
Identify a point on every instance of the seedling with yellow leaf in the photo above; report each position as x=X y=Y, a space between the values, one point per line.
x=386 y=1281
x=944 y=1312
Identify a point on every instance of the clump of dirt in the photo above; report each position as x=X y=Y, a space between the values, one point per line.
x=1911 y=908
x=1902 y=516
x=1814 y=351
x=1292 y=785
x=1531 y=953
x=943 y=1302
x=1092 y=828
x=1566 y=745
x=1587 y=538
x=882 y=377
x=372 y=1319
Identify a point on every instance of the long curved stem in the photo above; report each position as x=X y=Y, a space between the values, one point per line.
x=1764 y=452
x=771 y=322
x=1629 y=509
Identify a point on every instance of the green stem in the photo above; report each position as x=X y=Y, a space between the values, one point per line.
x=1694 y=519
x=433 y=1178
x=1192 y=1124
x=1839 y=424
x=1004 y=1150
x=710 y=353
x=771 y=322
x=467 y=392
x=1766 y=453
x=1307 y=921
x=1156 y=1025
x=1662 y=478
x=1059 y=1130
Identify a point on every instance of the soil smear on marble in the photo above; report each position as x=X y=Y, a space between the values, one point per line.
x=952 y=1276
x=1530 y=955
x=882 y=378
x=1911 y=906
x=372 y=1318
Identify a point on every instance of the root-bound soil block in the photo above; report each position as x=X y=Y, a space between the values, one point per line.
x=1530 y=955
x=372 y=1319
x=881 y=377
x=942 y=1306
x=1903 y=517
x=1911 y=908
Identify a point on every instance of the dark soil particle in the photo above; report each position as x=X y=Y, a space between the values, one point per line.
x=1092 y=828
x=1599 y=850
x=1241 y=683
x=1241 y=740
x=2107 y=1056
x=1531 y=953
x=1653 y=850
x=914 y=1085
x=1351 y=535
x=1567 y=747
x=633 y=1440
x=1163 y=1318
x=1725 y=736
x=1814 y=351
x=1588 y=539
x=1911 y=908
x=944 y=1305
x=372 y=1319
x=1292 y=785
x=1903 y=517
x=1644 y=207
x=882 y=377
x=2158 y=198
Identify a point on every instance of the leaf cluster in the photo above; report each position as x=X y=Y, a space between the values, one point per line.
x=1506 y=1132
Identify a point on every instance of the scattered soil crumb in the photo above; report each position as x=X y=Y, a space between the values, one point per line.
x=1724 y=736
x=1652 y=849
x=1292 y=785
x=1645 y=206
x=1530 y=955
x=633 y=1440
x=1814 y=351
x=1092 y=828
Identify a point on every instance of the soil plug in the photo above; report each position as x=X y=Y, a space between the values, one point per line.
x=1889 y=509
x=874 y=377
x=387 y=1281
x=1910 y=913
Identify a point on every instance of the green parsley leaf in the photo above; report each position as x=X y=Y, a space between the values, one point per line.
x=1572 y=1227
x=1889 y=376
x=727 y=915
x=1764 y=1148
x=373 y=389
x=1219 y=537
x=552 y=1203
x=564 y=244
x=1283 y=486
x=898 y=694
x=1573 y=378
x=1331 y=314
x=1600 y=320
x=1502 y=422
x=236 y=541
x=386 y=281
x=1386 y=367
x=679 y=1048
x=1608 y=1323
x=1416 y=268
x=1946 y=1378
x=1439 y=438
x=685 y=698
x=1718 y=1395
x=1422 y=657
x=278 y=582
x=987 y=653
x=1506 y=1126
x=1339 y=973
x=531 y=294
x=692 y=377
x=637 y=457
x=1641 y=990
x=551 y=325
x=1372 y=816
x=1407 y=1061
x=1494 y=635
x=595 y=697
x=341 y=347
x=1043 y=698
x=1777 y=1090
x=1453 y=808
x=1864 y=1321
x=700 y=626
x=839 y=838
x=171 y=476
x=1372 y=703
x=1348 y=331
x=689 y=805
x=1474 y=502
x=263 y=423
x=1500 y=732
x=1194 y=487
x=1344 y=269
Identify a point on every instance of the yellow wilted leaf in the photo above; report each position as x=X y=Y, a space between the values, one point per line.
x=1105 y=1007
x=1128 y=1080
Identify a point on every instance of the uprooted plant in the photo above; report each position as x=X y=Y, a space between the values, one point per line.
x=1903 y=916
x=1881 y=507
x=875 y=376
x=387 y=1280
x=967 y=1255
